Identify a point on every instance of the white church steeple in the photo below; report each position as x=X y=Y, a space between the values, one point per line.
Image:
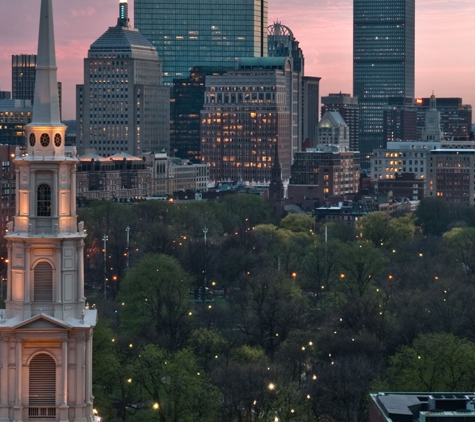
x=45 y=329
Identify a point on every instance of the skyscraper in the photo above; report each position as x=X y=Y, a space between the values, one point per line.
x=46 y=326
x=383 y=62
x=23 y=76
x=202 y=33
x=123 y=106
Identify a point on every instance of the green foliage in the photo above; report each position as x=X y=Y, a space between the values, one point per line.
x=461 y=243
x=156 y=298
x=384 y=232
x=434 y=362
x=433 y=215
x=177 y=386
x=298 y=223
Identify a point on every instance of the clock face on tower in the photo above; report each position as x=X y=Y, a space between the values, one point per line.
x=57 y=139
x=32 y=139
x=44 y=139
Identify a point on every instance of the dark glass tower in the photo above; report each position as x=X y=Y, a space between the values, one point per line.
x=23 y=76
x=202 y=33
x=383 y=62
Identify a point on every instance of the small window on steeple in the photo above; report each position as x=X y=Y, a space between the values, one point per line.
x=43 y=202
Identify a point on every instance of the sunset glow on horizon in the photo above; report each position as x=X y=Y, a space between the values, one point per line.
x=445 y=44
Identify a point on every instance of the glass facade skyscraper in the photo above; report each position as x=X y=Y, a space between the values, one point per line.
x=202 y=33
x=383 y=62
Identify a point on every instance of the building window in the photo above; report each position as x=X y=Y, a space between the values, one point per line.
x=43 y=283
x=43 y=201
x=42 y=386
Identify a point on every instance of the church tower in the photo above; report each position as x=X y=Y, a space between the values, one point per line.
x=46 y=327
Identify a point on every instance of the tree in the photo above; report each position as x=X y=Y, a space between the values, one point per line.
x=361 y=264
x=298 y=223
x=156 y=297
x=433 y=215
x=434 y=362
x=174 y=386
x=461 y=242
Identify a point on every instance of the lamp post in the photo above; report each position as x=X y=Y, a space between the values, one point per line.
x=203 y=296
x=105 y=239
x=127 y=229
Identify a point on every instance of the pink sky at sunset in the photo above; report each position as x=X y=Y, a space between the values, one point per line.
x=445 y=41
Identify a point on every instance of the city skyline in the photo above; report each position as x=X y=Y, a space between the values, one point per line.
x=445 y=62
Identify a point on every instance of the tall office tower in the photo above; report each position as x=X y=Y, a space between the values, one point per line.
x=123 y=105
x=202 y=33
x=348 y=107
x=282 y=43
x=46 y=327
x=383 y=63
x=186 y=103
x=23 y=76
x=246 y=113
x=310 y=98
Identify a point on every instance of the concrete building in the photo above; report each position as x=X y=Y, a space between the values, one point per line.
x=122 y=106
x=246 y=113
x=383 y=63
x=171 y=174
x=451 y=175
x=14 y=116
x=401 y=157
x=333 y=130
x=348 y=108
x=323 y=175
x=120 y=177
x=422 y=407
x=206 y=33
x=46 y=327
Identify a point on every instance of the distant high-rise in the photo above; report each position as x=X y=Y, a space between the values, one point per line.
x=123 y=106
x=347 y=106
x=282 y=43
x=23 y=76
x=202 y=33
x=383 y=62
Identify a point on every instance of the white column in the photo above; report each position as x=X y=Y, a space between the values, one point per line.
x=80 y=271
x=73 y=190
x=18 y=367
x=64 y=373
x=4 y=378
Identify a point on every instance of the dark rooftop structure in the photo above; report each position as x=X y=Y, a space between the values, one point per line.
x=422 y=407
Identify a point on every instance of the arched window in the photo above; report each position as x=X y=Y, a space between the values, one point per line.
x=42 y=380
x=43 y=284
x=43 y=203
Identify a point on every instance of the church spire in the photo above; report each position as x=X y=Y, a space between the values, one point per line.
x=46 y=103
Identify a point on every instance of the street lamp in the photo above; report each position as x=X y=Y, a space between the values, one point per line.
x=127 y=229
x=105 y=239
x=203 y=297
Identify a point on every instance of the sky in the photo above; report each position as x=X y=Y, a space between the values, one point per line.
x=445 y=41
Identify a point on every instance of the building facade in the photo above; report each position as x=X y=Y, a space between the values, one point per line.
x=246 y=113
x=348 y=107
x=187 y=99
x=383 y=62
x=282 y=43
x=46 y=327
x=122 y=106
x=451 y=175
x=14 y=116
x=23 y=76
x=455 y=117
x=333 y=130
x=324 y=174
x=205 y=33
